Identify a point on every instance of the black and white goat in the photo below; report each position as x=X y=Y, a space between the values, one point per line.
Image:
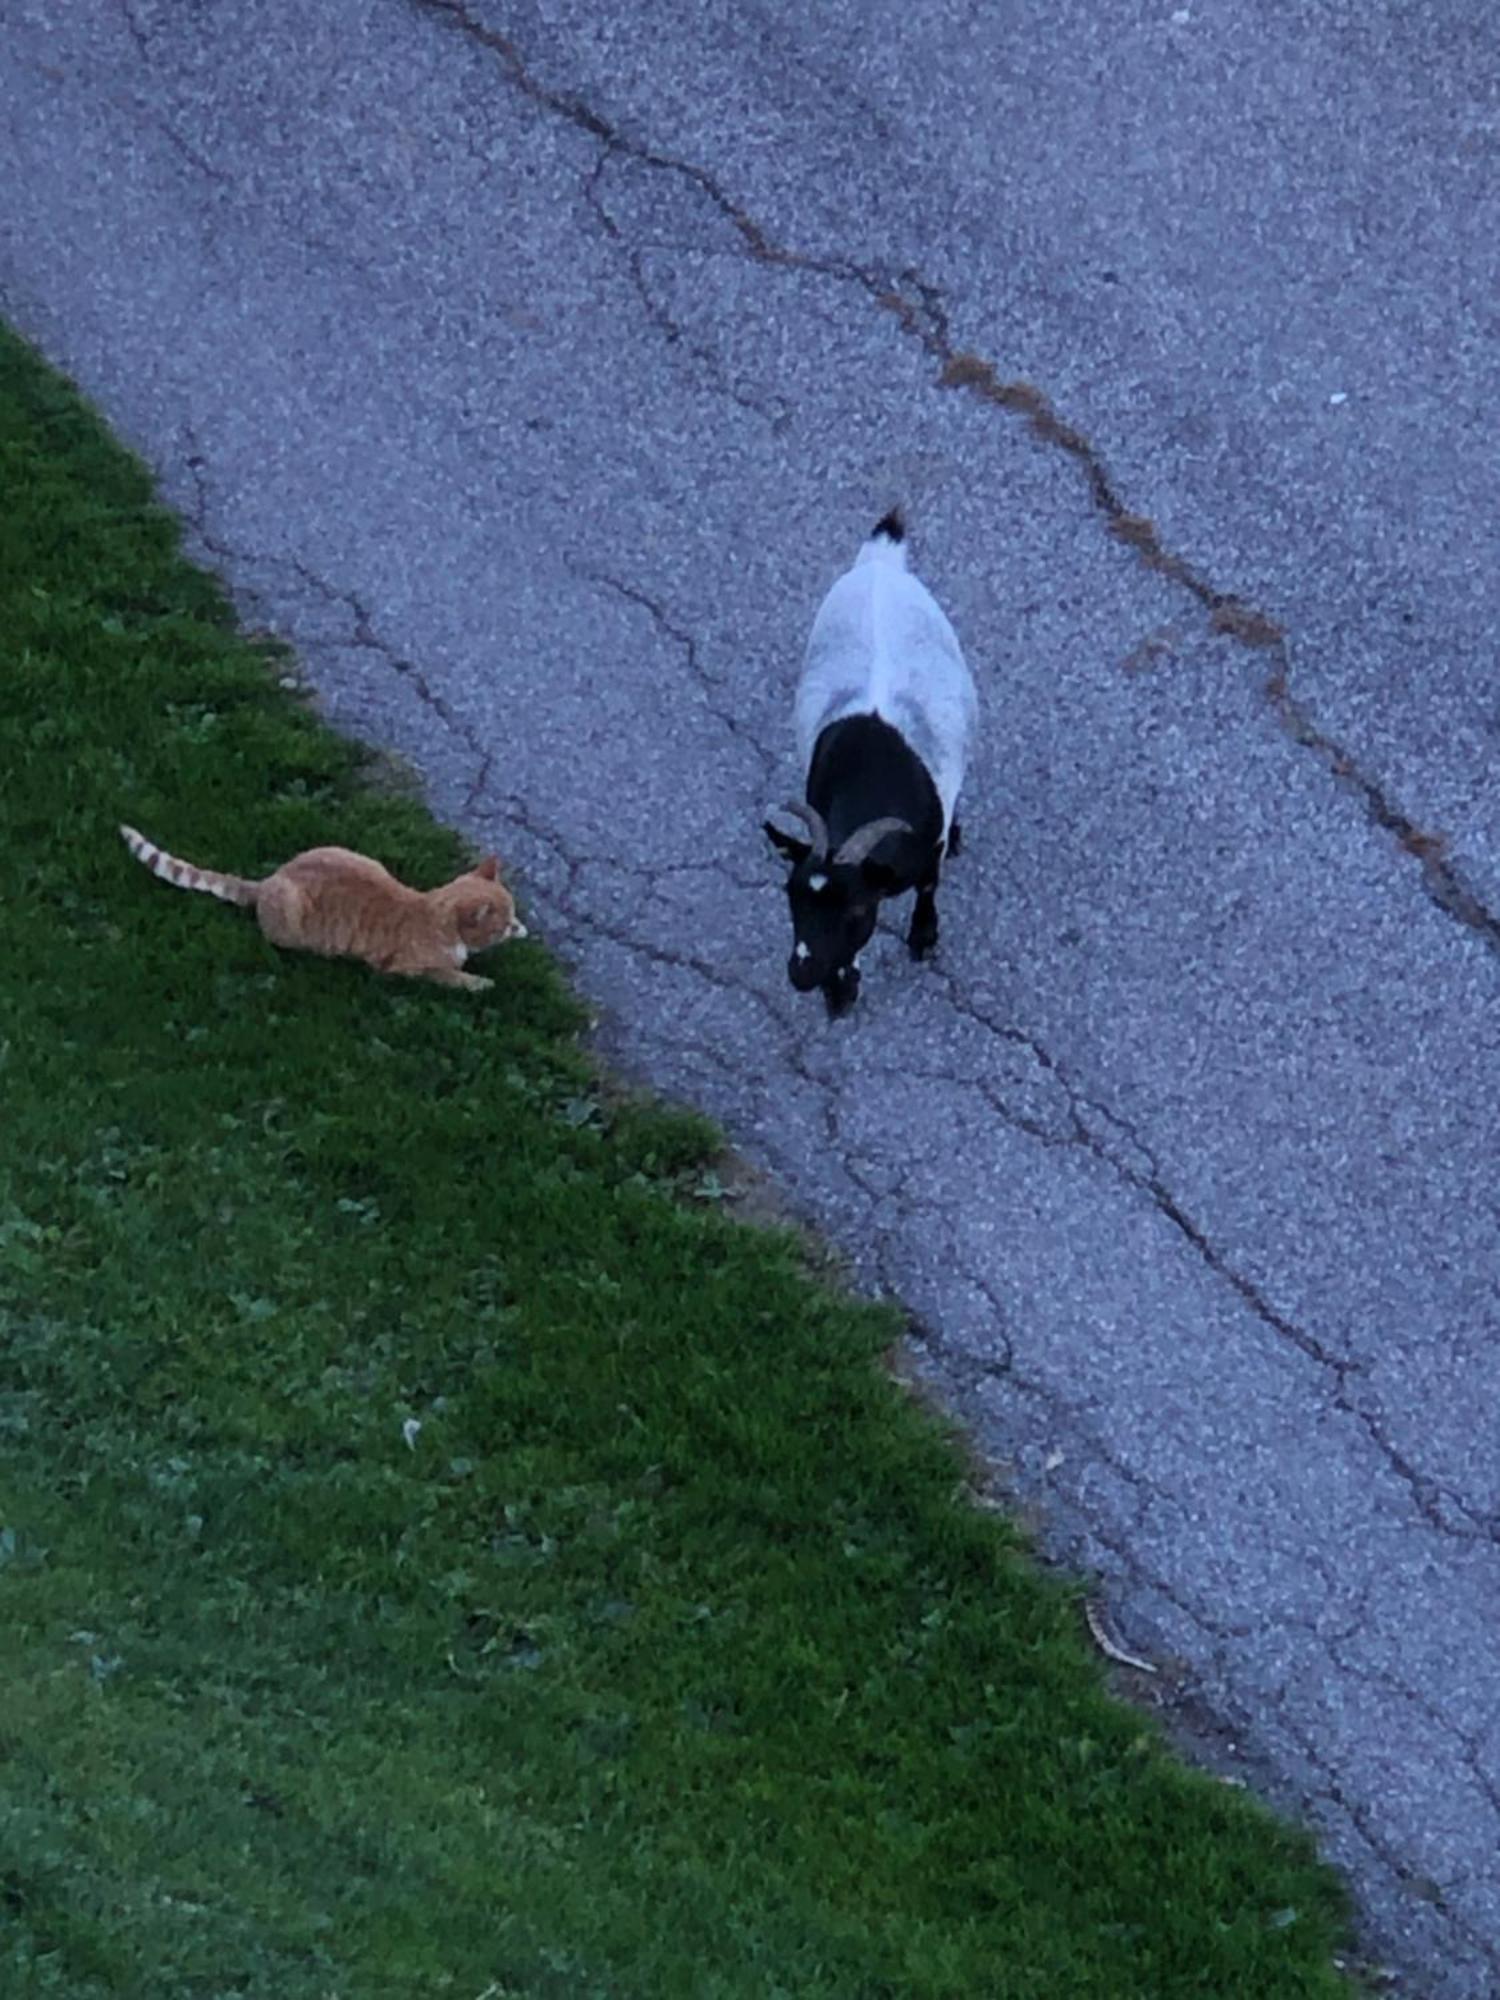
x=885 y=713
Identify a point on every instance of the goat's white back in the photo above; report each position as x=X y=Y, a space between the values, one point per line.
x=881 y=645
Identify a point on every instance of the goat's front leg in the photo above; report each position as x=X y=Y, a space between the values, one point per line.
x=841 y=990
x=922 y=936
x=447 y=975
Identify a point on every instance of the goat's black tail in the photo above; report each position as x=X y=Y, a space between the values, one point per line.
x=887 y=541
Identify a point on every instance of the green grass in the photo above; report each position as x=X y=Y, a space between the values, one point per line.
x=663 y=1659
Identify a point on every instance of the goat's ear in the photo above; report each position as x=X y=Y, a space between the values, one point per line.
x=877 y=876
x=489 y=868
x=793 y=848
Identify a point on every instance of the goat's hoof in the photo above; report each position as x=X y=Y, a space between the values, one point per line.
x=955 y=840
x=922 y=944
x=841 y=991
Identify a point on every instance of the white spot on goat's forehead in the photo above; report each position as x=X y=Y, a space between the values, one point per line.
x=801 y=950
x=817 y=883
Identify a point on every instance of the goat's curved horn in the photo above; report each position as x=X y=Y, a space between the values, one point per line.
x=865 y=839
x=814 y=823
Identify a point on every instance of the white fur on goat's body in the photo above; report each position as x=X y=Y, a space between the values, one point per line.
x=881 y=645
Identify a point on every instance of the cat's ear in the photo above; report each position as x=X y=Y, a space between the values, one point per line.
x=489 y=868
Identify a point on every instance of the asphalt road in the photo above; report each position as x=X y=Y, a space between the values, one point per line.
x=534 y=367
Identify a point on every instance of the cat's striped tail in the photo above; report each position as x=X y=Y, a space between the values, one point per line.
x=228 y=888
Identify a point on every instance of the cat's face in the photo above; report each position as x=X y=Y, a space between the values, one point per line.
x=483 y=908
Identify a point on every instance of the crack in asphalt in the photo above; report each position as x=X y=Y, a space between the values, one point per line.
x=1229 y=615
x=792 y=1050
x=1088 y=1446
x=774 y=411
x=1376 y=1676
x=1149 y=1180
x=183 y=147
x=364 y=638
x=968 y=1372
x=1413 y=1880
x=1428 y=1494
x=919 y=308
x=197 y=515
x=1444 y=884
x=967 y=1375
x=334 y=251
x=707 y=686
x=134 y=29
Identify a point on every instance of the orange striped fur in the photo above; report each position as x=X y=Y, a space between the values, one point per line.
x=183 y=875
x=344 y=905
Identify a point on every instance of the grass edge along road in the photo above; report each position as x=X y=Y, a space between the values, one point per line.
x=439 y=1552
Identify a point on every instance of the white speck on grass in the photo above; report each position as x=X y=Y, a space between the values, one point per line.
x=409 y=1431
x=1339 y=396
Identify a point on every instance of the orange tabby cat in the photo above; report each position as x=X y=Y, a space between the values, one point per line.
x=344 y=905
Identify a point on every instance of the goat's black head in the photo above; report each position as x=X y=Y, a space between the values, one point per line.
x=834 y=897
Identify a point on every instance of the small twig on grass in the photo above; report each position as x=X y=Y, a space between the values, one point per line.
x=1111 y=1647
